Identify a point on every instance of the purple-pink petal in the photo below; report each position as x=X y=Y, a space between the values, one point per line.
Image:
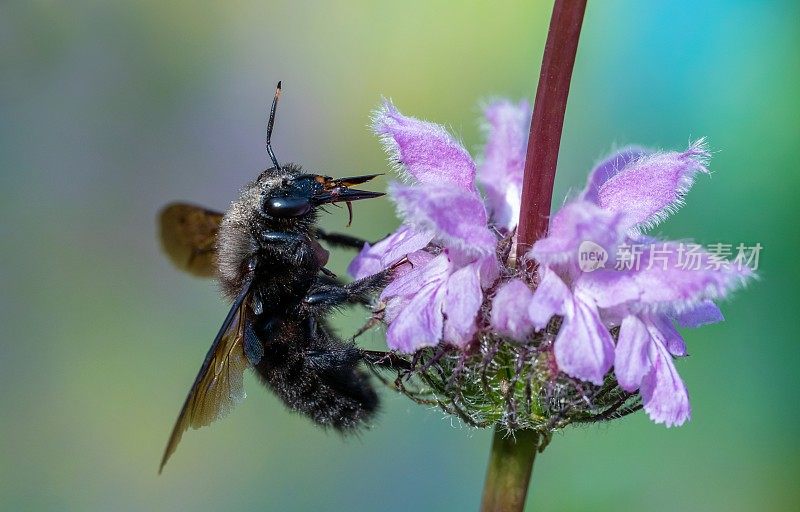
x=664 y=395
x=366 y=263
x=510 y=310
x=424 y=150
x=584 y=348
x=410 y=283
x=461 y=304
x=501 y=170
x=631 y=356
x=419 y=324
x=704 y=313
x=489 y=270
x=608 y=168
x=577 y=222
x=662 y=330
x=549 y=299
x=651 y=187
x=457 y=217
x=374 y=258
x=413 y=260
x=610 y=288
x=670 y=277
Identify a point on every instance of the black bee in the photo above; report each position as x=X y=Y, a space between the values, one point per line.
x=266 y=255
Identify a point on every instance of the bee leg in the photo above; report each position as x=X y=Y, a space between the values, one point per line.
x=328 y=273
x=300 y=246
x=340 y=240
x=388 y=360
x=329 y=293
x=327 y=354
x=282 y=237
x=324 y=297
x=333 y=357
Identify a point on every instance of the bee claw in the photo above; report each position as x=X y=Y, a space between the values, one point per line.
x=402 y=261
x=369 y=324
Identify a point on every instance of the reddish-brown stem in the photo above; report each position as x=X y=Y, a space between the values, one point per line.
x=511 y=461
x=547 y=121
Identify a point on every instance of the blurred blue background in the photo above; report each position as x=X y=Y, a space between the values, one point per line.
x=109 y=110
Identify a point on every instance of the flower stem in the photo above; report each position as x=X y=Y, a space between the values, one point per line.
x=511 y=459
x=547 y=121
x=509 y=471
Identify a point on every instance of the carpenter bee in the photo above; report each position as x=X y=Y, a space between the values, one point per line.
x=266 y=255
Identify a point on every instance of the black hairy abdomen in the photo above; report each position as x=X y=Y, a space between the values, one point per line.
x=316 y=374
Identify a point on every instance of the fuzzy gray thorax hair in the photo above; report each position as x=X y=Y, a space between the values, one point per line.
x=238 y=241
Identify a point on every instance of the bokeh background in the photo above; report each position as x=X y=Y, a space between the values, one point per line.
x=108 y=110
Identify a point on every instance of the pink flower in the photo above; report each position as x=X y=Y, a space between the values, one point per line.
x=457 y=284
x=439 y=299
x=625 y=194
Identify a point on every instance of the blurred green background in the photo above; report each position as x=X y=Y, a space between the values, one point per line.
x=108 y=110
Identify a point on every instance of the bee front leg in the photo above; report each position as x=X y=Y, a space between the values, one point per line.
x=340 y=240
x=298 y=246
x=324 y=297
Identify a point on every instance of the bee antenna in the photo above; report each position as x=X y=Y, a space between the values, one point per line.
x=270 y=124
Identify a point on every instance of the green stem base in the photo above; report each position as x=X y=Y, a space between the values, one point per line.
x=509 y=471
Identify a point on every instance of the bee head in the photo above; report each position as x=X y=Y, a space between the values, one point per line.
x=289 y=197
x=291 y=194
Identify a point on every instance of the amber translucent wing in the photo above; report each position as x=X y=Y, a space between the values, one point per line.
x=189 y=235
x=218 y=385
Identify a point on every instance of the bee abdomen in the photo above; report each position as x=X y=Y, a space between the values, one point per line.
x=323 y=382
x=344 y=401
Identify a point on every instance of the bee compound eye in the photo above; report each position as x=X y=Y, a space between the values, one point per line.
x=287 y=206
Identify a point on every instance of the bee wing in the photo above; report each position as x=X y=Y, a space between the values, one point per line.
x=188 y=236
x=218 y=386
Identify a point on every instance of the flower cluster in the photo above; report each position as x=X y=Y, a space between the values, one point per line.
x=461 y=285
